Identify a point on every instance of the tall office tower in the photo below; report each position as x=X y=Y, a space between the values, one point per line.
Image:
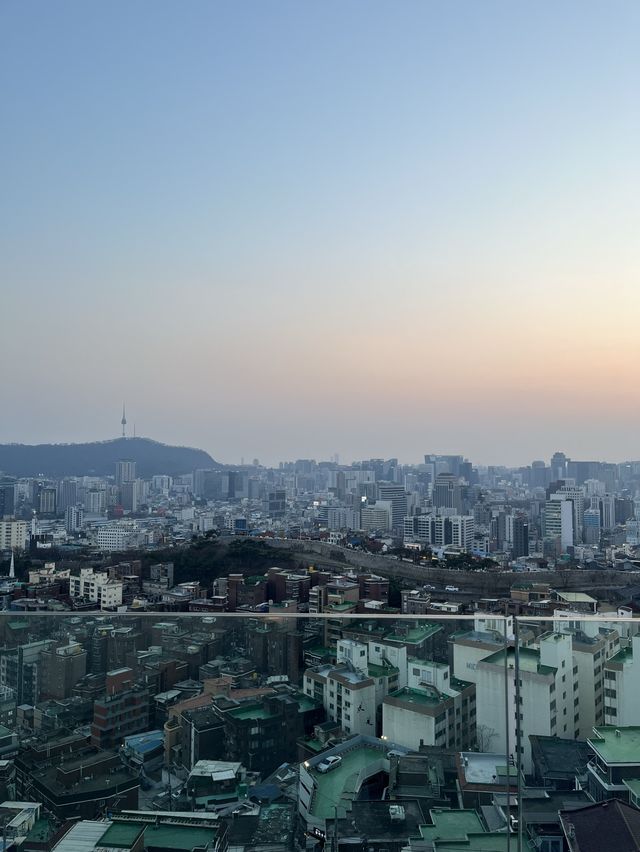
x=397 y=496
x=608 y=512
x=576 y=495
x=558 y=521
x=125 y=471
x=129 y=496
x=520 y=546
x=46 y=502
x=559 y=466
x=592 y=526
x=447 y=492
x=539 y=474
x=67 y=494
x=7 y=499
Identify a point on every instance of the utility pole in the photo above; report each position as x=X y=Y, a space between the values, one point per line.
x=518 y=760
x=506 y=727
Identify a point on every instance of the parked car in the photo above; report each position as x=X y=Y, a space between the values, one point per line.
x=329 y=763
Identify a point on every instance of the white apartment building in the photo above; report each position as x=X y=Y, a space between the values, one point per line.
x=14 y=535
x=96 y=587
x=115 y=537
x=471 y=646
x=434 y=709
x=622 y=686
x=441 y=529
x=558 y=521
x=348 y=696
x=549 y=702
x=386 y=665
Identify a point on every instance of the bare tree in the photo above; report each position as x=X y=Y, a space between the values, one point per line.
x=485 y=735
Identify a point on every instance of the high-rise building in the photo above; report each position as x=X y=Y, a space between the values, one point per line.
x=125 y=471
x=559 y=466
x=558 y=521
x=447 y=493
x=608 y=512
x=129 y=496
x=74 y=518
x=591 y=528
x=46 y=502
x=575 y=494
x=520 y=546
x=397 y=496
x=67 y=494
x=7 y=499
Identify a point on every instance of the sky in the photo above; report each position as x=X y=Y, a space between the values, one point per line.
x=282 y=230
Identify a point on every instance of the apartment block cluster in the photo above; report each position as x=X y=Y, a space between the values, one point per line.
x=207 y=732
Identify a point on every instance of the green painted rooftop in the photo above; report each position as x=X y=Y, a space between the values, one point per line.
x=426 y=697
x=122 y=834
x=416 y=634
x=338 y=786
x=622 y=747
x=184 y=838
x=624 y=655
x=451 y=825
x=381 y=671
x=529 y=660
x=255 y=712
x=463 y=831
x=488 y=842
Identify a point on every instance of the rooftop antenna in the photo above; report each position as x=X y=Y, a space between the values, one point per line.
x=123 y=422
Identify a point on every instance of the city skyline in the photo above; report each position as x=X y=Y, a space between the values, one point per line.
x=285 y=230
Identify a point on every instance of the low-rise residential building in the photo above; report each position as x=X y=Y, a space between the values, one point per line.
x=434 y=709
x=347 y=695
x=97 y=587
x=614 y=767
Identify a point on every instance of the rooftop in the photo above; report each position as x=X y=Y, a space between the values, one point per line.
x=617 y=745
x=529 y=660
x=415 y=634
x=427 y=697
x=339 y=785
x=624 y=655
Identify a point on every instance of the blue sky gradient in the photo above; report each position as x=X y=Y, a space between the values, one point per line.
x=293 y=229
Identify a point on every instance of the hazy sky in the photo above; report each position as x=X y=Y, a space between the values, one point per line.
x=286 y=230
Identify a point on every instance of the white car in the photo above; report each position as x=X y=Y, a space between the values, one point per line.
x=451 y=589
x=329 y=763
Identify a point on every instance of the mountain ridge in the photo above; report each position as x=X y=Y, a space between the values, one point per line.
x=98 y=458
